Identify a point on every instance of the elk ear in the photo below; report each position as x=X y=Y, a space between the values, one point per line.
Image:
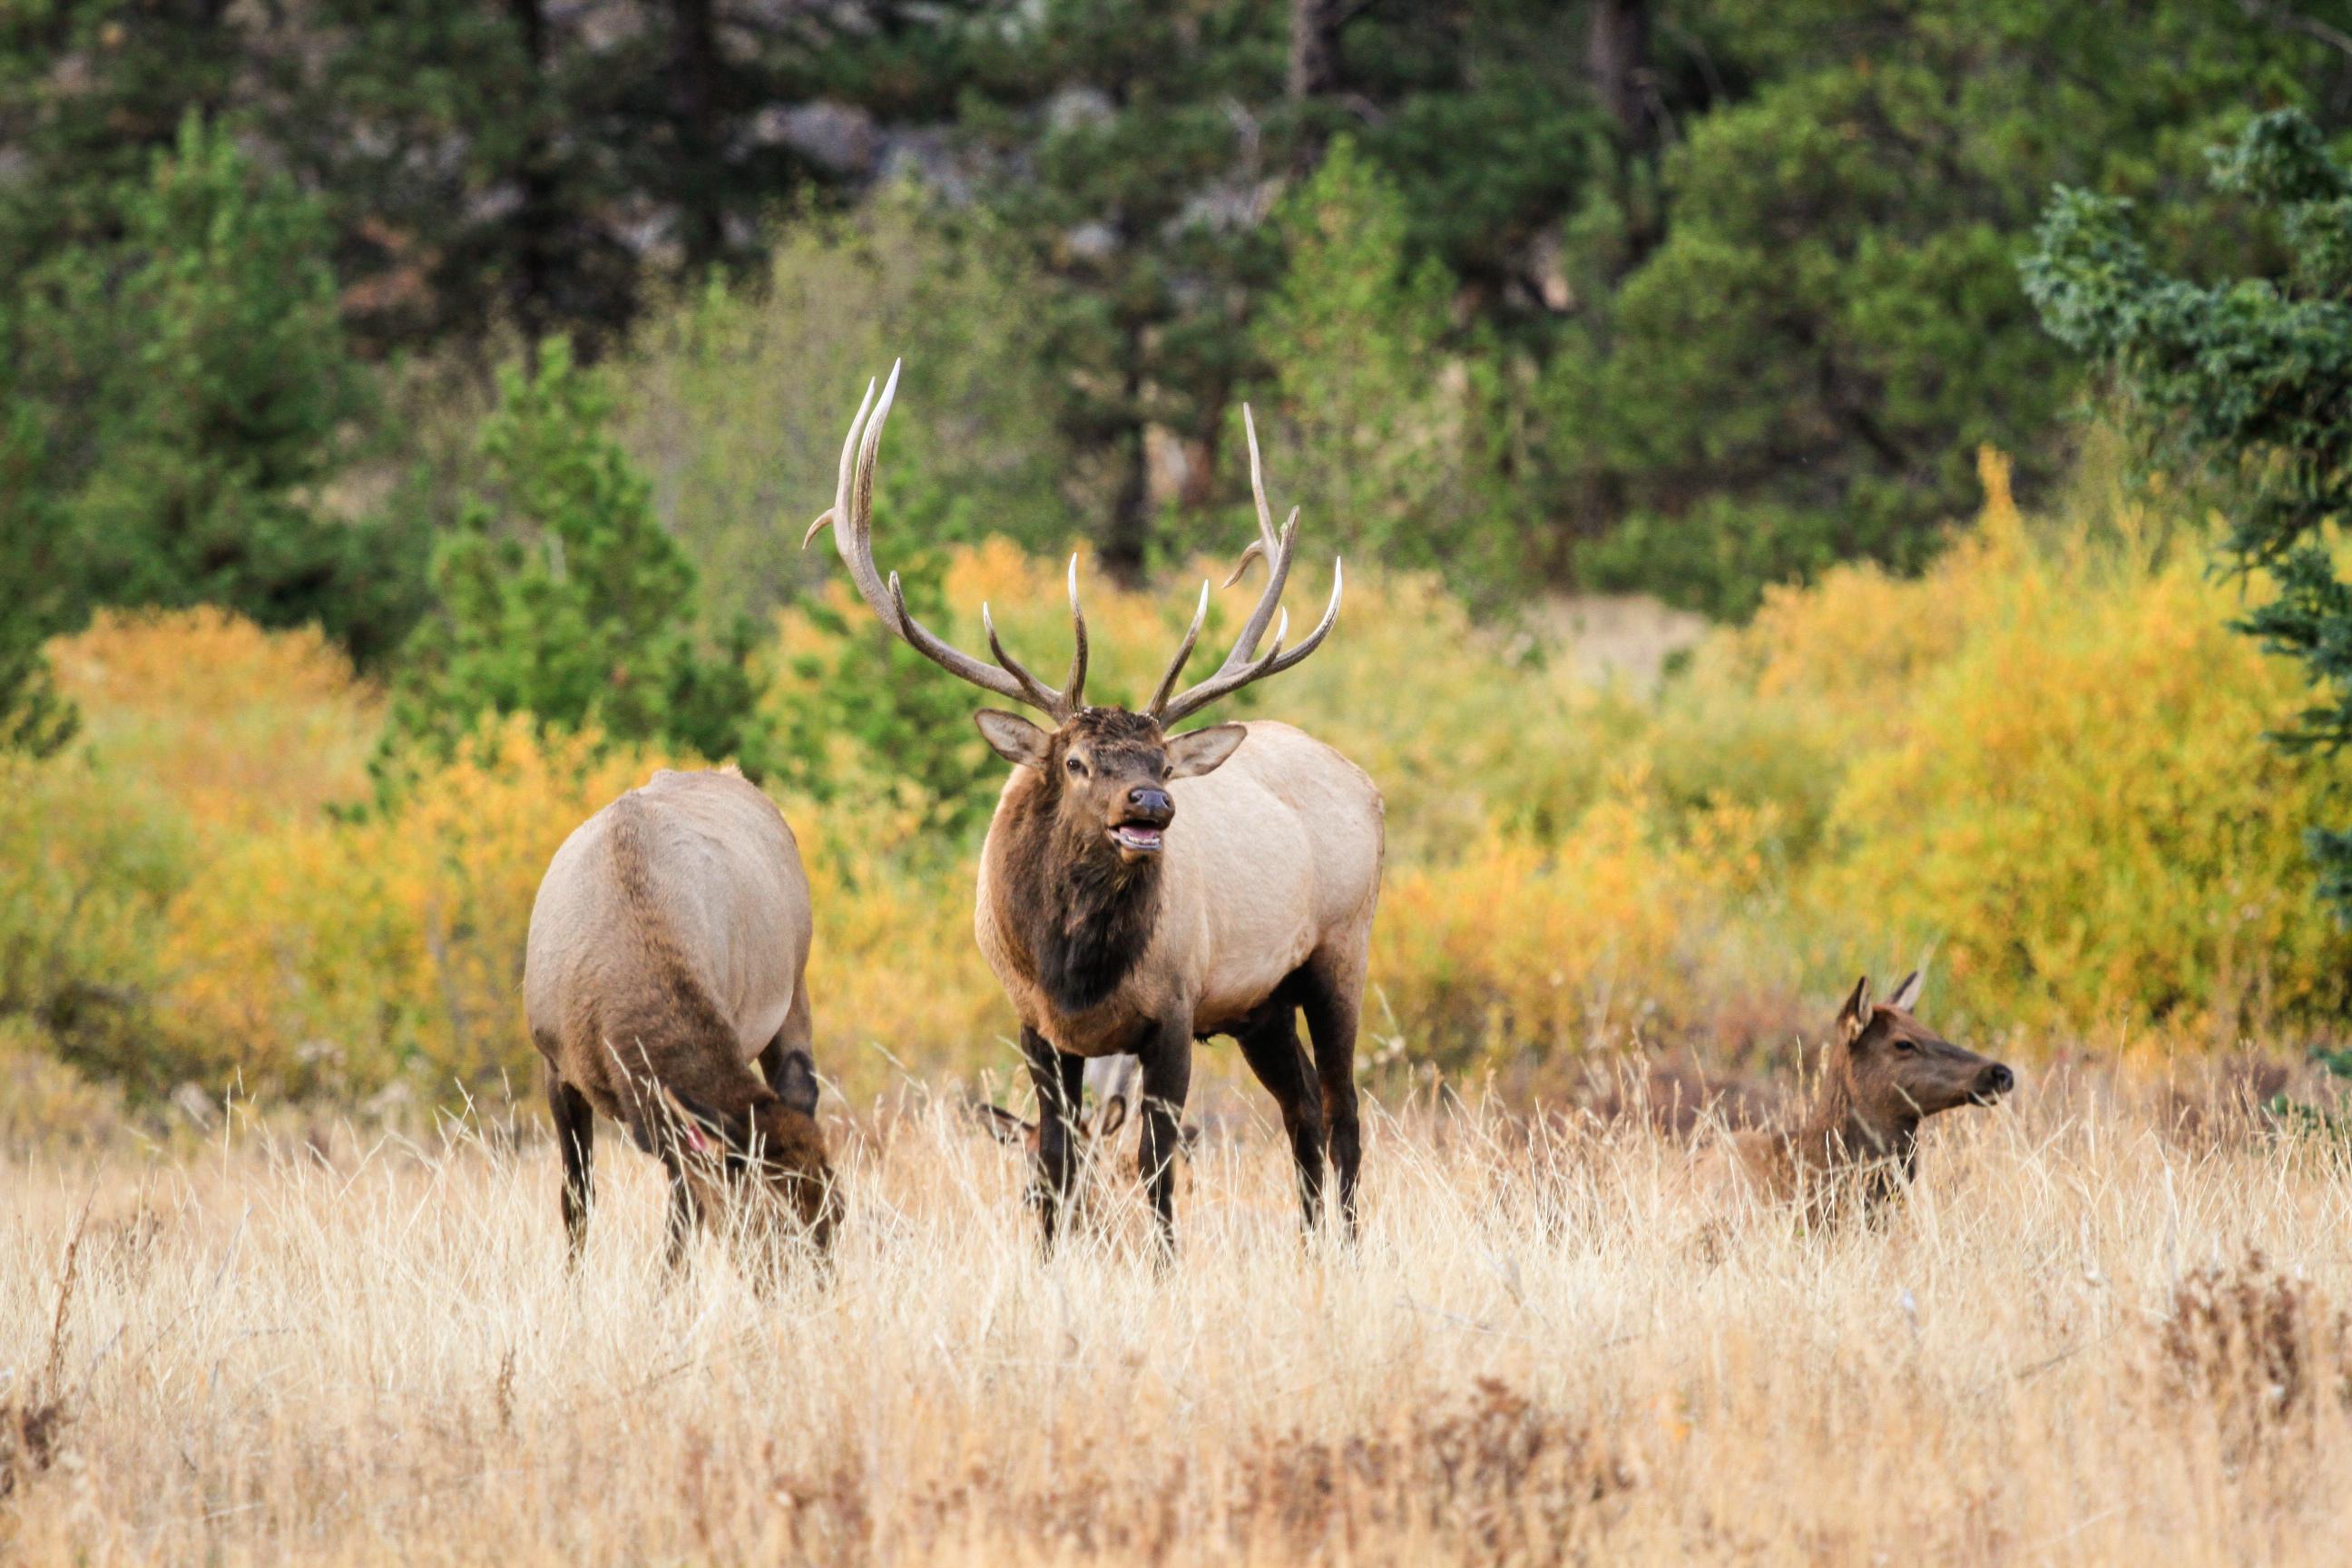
x=1906 y=996
x=1203 y=751
x=1001 y=1124
x=1014 y=739
x=1856 y=1014
x=698 y=1126
x=1111 y=1117
x=796 y=1083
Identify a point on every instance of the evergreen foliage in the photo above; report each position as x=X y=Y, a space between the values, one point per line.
x=559 y=595
x=180 y=396
x=1712 y=294
x=2251 y=376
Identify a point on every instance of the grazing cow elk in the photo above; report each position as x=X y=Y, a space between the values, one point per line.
x=1858 y=1141
x=667 y=955
x=1141 y=889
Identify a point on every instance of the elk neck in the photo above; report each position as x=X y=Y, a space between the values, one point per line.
x=1835 y=1130
x=1077 y=911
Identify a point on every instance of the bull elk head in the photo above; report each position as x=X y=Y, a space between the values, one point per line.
x=1113 y=763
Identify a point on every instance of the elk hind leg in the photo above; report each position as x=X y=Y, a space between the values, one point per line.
x=788 y=1062
x=1332 y=997
x=1269 y=1043
x=575 y=1136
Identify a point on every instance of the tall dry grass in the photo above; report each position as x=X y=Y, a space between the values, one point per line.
x=2058 y=1351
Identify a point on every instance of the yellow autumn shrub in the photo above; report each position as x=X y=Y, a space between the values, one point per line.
x=346 y=955
x=1523 y=945
x=2084 y=810
x=896 y=979
x=2045 y=762
x=241 y=727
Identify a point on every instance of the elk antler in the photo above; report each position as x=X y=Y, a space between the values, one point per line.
x=1242 y=666
x=852 y=517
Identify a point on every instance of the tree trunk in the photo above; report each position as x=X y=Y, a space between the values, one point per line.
x=534 y=224
x=1617 y=53
x=1126 y=539
x=1314 y=71
x=694 y=107
x=1315 y=47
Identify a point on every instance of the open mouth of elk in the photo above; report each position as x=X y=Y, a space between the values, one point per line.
x=1139 y=838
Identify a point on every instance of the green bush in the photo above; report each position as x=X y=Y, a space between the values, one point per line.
x=559 y=594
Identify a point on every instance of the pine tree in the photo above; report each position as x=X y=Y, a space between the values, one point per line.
x=2253 y=376
x=1122 y=164
x=1371 y=425
x=180 y=393
x=559 y=594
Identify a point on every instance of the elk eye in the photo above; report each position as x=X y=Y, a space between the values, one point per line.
x=1075 y=767
x=1907 y=1045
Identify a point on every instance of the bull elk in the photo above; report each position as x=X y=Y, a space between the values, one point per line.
x=666 y=959
x=1883 y=1074
x=1141 y=889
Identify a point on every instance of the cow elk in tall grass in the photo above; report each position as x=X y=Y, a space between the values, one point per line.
x=1141 y=889
x=1857 y=1143
x=667 y=960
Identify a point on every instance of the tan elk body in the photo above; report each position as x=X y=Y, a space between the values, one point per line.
x=1141 y=889
x=1278 y=861
x=664 y=983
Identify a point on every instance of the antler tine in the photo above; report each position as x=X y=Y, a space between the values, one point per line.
x=1269 y=599
x=1072 y=696
x=1040 y=694
x=1264 y=544
x=1073 y=689
x=834 y=513
x=1278 y=659
x=1277 y=576
x=852 y=517
x=1183 y=656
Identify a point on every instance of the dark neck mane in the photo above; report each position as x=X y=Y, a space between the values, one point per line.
x=1077 y=915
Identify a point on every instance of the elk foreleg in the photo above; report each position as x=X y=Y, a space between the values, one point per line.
x=685 y=1213
x=1167 y=1083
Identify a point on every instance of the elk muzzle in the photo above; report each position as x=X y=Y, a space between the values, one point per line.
x=1143 y=824
x=1993 y=1082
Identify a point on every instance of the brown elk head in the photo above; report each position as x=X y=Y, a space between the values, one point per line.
x=770 y=1149
x=1899 y=1070
x=1019 y=1132
x=1090 y=1135
x=1104 y=769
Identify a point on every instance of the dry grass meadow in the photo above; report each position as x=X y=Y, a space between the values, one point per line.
x=2101 y=1331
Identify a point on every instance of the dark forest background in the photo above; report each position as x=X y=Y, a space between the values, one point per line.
x=1687 y=297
